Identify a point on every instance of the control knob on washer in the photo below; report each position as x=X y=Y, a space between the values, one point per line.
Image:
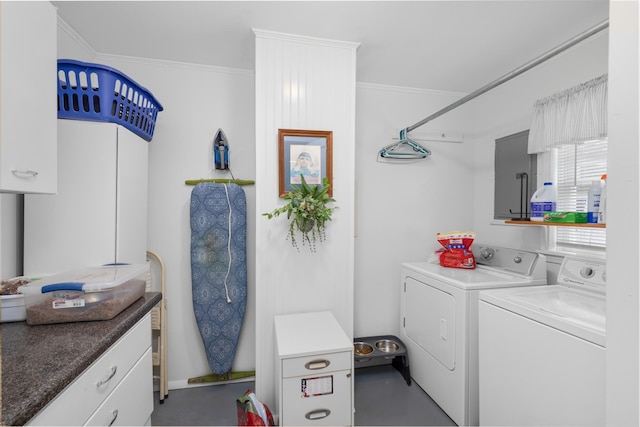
x=487 y=253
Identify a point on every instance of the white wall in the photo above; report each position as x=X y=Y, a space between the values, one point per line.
x=197 y=101
x=623 y=231
x=10 y=244
x=302 y=83
x=71 y=45
x=401 y=207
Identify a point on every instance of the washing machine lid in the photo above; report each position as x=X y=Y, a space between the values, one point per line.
x=579 y=312
x=576 y=305
x=482 y=277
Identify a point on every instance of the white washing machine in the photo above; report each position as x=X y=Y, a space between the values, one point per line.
x=439 y=321
x=542 y=351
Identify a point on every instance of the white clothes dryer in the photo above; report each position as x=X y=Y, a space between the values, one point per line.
x=542 y=350
x=439 y=321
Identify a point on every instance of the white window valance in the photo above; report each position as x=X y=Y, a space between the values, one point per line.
x=572 y=116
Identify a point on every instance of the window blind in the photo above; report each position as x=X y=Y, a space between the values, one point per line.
x=577 y=167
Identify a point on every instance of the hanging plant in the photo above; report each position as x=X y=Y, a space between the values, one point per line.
x=307 y=212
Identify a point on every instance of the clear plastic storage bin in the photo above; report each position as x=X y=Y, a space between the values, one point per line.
x=94 y=293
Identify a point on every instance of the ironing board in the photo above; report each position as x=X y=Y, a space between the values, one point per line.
x=219 y=268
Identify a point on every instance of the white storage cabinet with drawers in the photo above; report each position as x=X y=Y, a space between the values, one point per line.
x=314 y=371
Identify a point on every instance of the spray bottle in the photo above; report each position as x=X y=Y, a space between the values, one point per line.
x=593 y=202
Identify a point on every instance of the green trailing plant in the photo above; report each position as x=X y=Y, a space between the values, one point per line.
x=307 y=212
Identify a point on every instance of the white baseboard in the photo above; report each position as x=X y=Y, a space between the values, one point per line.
x=180 y=384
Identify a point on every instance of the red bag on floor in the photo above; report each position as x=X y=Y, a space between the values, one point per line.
x=252 y=412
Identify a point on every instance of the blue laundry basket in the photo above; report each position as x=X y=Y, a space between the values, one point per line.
x=96 y=92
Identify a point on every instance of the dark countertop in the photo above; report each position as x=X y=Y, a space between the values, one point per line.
x=38 y=362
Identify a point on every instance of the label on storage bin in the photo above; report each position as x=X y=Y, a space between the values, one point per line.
x=316 y=386
x=68 y=303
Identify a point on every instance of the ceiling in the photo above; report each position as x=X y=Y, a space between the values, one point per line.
x=441 y=45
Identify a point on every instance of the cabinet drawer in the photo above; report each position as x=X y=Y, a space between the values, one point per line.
x=332 y=408
x=316 y=364
x=131 y=403
x=82 y=397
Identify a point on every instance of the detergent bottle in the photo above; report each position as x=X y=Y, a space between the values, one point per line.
x=543 y=201
x=593 y=202
x=602 y=209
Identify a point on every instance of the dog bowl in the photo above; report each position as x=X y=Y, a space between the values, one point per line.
x=362 y=348
x=387 y=346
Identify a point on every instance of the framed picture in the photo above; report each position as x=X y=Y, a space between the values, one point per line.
x=305 y=153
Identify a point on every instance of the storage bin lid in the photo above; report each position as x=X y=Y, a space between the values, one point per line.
x=90 y=279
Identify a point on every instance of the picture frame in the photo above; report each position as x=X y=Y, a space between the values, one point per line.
x=304 y=152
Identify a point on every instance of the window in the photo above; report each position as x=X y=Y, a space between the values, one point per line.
x=568 y=133
x=577 y=166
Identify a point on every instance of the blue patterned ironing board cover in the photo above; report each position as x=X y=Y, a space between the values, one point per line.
x=218 y=228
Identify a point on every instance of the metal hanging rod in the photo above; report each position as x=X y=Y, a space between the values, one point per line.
x=523 y=68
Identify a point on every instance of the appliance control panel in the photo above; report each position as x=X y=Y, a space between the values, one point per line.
x=583 y=273
x=508 y=259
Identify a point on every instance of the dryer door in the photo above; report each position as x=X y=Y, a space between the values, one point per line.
x=430 y=320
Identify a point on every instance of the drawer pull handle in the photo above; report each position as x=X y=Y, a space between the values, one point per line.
x=31 y=173
x=111 y=375
x=317 y=414
x=317 y=364
x=114 y=414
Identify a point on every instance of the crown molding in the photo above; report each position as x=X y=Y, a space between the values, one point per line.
x=274 y=35
x=406 y=89
x=63 y=26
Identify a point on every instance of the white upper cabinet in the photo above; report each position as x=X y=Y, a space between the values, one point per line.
x=99 y=214
x=28 y=97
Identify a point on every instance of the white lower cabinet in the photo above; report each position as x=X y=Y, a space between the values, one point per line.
x=120 y=408
x=117 y=389
x=314 y=371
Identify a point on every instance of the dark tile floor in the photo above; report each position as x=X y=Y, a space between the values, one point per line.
x=382 y=398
